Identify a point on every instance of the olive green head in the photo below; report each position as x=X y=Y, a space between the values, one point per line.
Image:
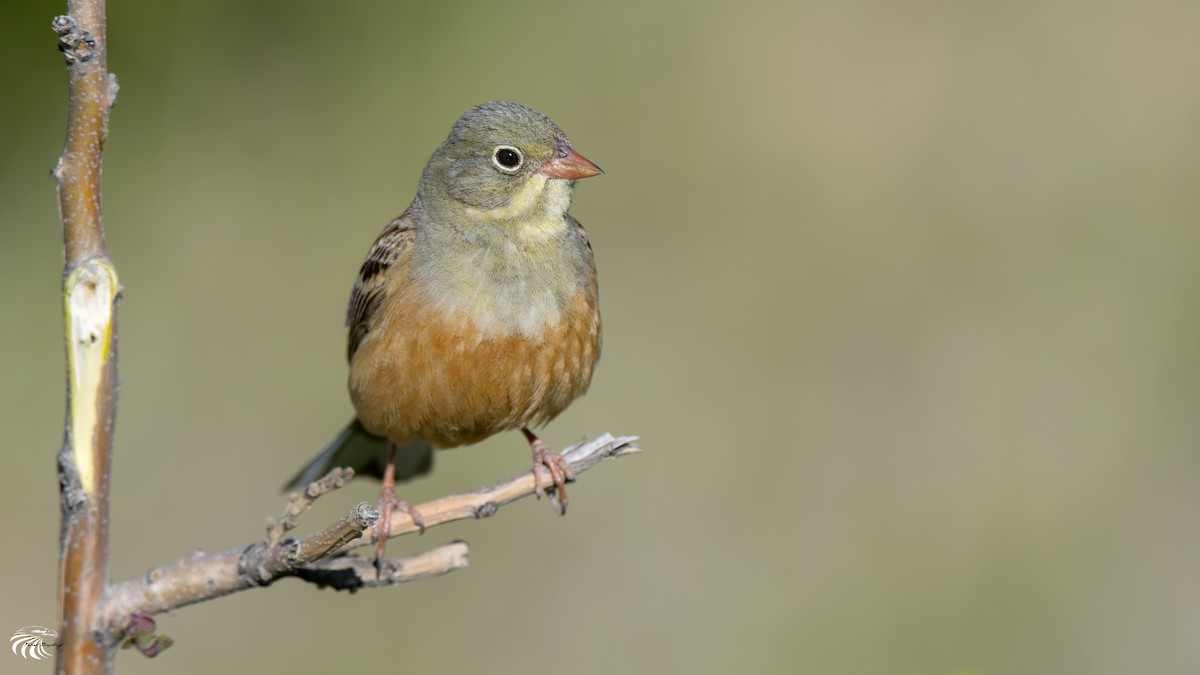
x=504 y=157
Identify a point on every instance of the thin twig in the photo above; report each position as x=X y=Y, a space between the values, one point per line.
x=485 y=502
x=263 y=563
x=204 y=576
x=351 y=572
x=301 y=501
x=201 y=576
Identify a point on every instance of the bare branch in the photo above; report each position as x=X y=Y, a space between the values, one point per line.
x=92 y=94
x=204 y=576
x=350 y=573
x=485 y=502
x=91 y=290
x=301 y=501
x=321 y=558
x=346 y=530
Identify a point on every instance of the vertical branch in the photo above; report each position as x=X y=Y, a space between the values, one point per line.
x=90 y=292
x=81 y=40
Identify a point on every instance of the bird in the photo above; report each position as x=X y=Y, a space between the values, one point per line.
x=476 y=311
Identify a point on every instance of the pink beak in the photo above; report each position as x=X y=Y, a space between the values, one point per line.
x=570 y=165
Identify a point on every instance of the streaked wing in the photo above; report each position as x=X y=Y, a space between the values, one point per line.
x=368 y=291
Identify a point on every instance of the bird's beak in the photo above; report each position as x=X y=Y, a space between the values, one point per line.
x=570 y=165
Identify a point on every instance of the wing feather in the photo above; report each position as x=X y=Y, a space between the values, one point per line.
x=396 y=239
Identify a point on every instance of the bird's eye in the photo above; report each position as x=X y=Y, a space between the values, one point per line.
x=507 y=158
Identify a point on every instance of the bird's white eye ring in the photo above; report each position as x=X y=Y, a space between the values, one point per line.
x=507 y=158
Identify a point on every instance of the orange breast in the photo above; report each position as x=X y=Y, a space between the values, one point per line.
x=421 y=371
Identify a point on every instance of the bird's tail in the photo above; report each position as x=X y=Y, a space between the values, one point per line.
x=367 y=454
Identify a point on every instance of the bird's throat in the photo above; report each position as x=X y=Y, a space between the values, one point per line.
x=514 y=268
x=535 y=211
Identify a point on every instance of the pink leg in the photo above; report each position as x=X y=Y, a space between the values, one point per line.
x=560 y=470
x=387 y=503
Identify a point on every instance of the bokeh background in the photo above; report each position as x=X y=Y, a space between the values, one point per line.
x=901 y=297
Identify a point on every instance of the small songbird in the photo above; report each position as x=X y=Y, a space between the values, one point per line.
x=476 y=310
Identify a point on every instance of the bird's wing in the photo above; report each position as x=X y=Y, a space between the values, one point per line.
x=579 y=229
x=396 y=239
x=587 y=243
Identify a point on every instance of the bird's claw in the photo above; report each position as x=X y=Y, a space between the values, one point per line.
x=560 y=474
x=387 y=504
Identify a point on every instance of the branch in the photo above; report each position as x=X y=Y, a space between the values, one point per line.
x=485 y=502
x=302 y=501
x=354 y=572
x=321 y=558
x=91 y=290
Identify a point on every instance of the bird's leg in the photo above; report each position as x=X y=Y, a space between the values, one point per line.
x=560 y=470
x=388 y=502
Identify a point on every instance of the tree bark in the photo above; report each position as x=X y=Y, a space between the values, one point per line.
x=90 y=293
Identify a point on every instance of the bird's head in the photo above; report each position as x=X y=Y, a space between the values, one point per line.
x=504 y=162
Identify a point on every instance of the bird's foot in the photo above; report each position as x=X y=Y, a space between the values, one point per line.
x=560 y=471
x=388 y=502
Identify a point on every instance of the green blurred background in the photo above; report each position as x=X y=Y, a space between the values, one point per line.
x=900 y=297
